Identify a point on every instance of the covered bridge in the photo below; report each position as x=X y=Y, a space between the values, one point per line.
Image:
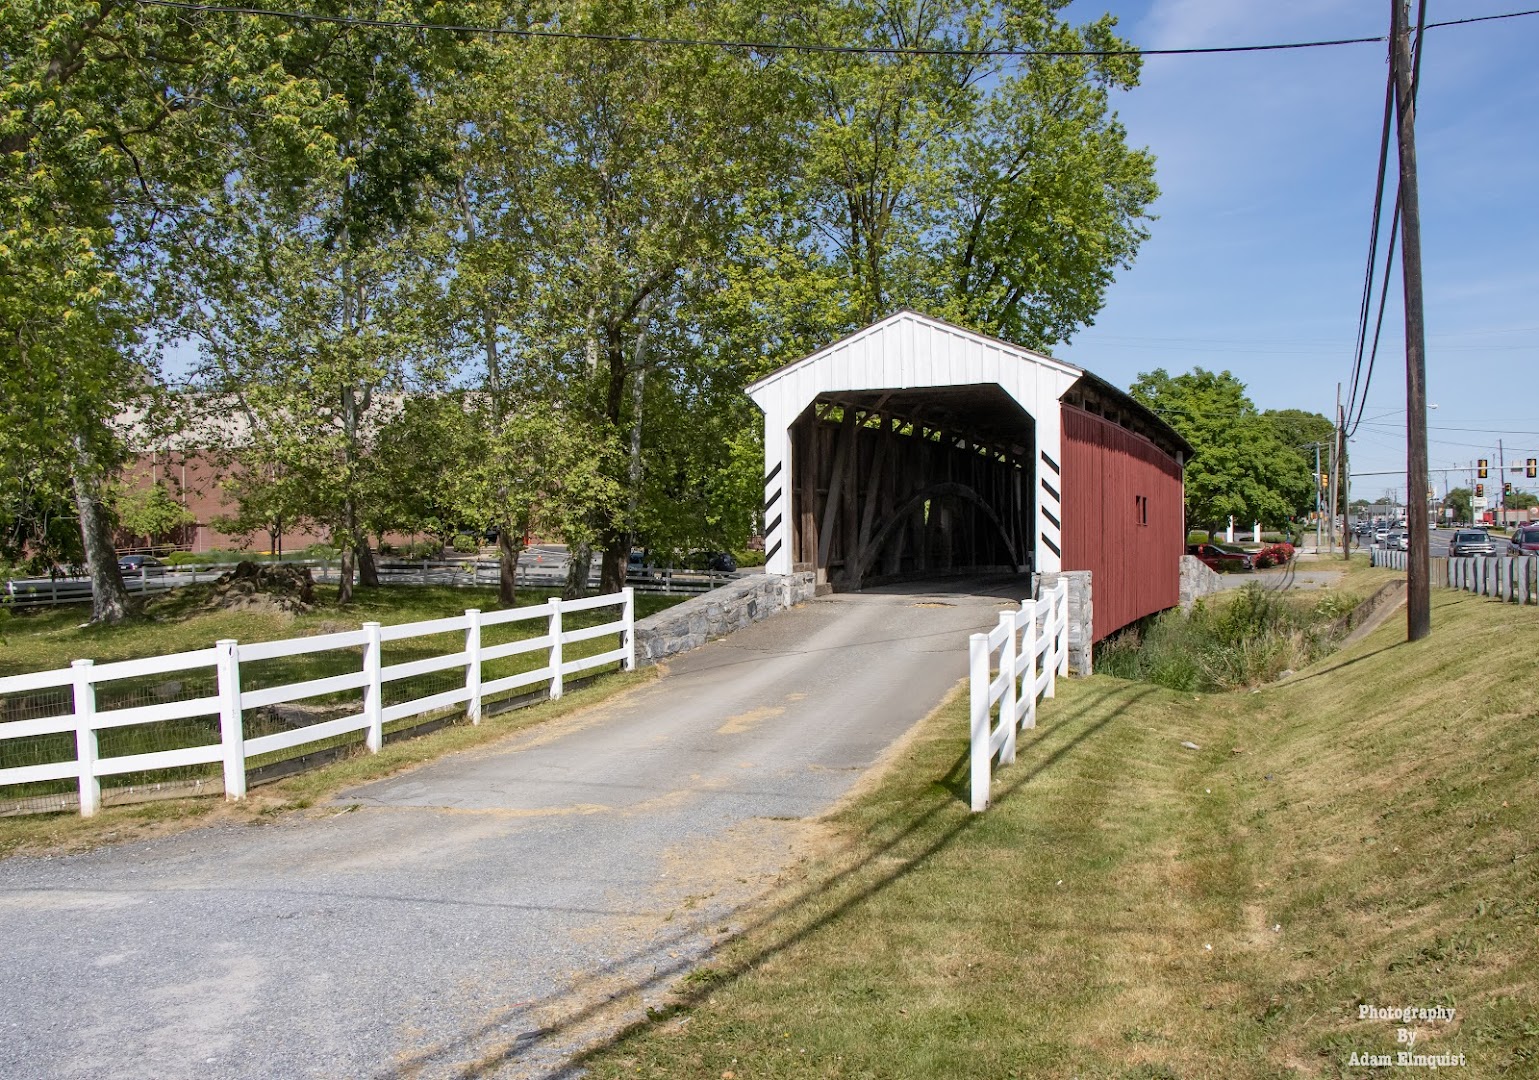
x=915 y=448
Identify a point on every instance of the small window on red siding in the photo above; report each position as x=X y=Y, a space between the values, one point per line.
x=1141 y=509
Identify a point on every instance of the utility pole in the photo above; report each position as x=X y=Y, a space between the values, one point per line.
x=1418 y=599
x=1501 y=471
x=1335 y=470
x=1319 y=477
x=1346 y=487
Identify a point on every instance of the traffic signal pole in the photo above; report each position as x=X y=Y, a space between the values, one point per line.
x=1418 y=601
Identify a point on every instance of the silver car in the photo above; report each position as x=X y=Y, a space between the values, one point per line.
x=1470 y=542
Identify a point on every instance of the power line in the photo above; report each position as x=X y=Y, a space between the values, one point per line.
x=1373 y=249
x=771 y=46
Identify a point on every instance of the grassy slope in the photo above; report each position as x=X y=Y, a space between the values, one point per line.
x=1363 y=833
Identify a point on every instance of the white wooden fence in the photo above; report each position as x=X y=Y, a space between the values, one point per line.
x=229 y=701
x=1036 y=629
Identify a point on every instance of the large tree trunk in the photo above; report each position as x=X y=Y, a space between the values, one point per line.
x=578 y=564
x=110 y=602
x=345 y=574
x=612 y=570
x=368 y=569
x=509 y=548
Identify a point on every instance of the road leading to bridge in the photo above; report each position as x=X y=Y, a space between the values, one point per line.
x=487 y=914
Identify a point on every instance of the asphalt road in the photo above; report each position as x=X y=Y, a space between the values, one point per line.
x=487 y=914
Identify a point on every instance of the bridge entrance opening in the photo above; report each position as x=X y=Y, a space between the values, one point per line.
x=893 y=485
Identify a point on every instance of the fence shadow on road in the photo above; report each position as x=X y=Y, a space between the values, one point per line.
x=783 y=917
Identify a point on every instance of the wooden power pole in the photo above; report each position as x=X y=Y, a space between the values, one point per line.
x=1418 y=604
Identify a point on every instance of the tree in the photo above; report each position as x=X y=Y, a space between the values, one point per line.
x=615 y=176
x=1302 y=432
x=1000 y=194
x=117 y=118
x=149 y=510
x=1461 y=501
x=1239 y=465
x=319 y=279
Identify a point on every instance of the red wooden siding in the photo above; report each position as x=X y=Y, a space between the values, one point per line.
x=1112 y=478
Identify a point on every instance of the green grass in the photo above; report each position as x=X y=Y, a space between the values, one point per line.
x=174 y=623
x=1365 y=832
x=66 y=832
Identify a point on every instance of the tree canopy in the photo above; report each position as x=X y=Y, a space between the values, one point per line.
x=549 y=266
x=1241 y=465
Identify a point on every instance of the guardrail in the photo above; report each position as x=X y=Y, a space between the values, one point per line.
x=1038 y=628
x=229 y=702
x=467 y=573
x=1511 y=578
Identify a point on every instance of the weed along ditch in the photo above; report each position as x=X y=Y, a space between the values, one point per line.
x=1231 y=641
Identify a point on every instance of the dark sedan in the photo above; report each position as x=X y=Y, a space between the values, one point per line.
x=146 y=565
x=1525 y=541
x=1222 y=557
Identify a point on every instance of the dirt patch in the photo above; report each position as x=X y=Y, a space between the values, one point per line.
x=263 y=588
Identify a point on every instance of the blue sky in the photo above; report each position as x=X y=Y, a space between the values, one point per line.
x=1266 y=164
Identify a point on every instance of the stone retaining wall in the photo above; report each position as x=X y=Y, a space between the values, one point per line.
x=1197 y=579
x=1081 y=615
x=719 y=612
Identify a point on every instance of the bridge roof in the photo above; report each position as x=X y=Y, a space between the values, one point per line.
x=909 y=357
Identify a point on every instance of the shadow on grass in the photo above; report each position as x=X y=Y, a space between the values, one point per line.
x=666 y=961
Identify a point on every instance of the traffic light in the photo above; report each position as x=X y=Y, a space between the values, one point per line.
x=1480 y=468
x=1533 y=468
x=1480 y=491
x=1507 y=488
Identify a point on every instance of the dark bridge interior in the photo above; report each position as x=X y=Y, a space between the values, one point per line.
x=895 y=484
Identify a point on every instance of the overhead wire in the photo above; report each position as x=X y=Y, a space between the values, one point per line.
x=535 y=33
x=1367 y=375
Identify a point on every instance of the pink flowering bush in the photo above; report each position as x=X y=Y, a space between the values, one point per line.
x=1273 y=555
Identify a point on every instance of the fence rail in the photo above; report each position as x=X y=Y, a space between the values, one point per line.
x=77 y=711
x=1006 y=679
x=465 y=573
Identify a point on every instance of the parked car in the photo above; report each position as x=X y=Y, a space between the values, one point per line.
x=1399 y=540
x=147 y=565
x=1471 y=542
x=1525 y=541
x=1223 y=557
x=719 y=561
x=1379 y=534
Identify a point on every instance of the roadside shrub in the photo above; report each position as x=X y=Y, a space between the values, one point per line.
x=749 y=558
x=1274 y=555
x=423 y=549
x=464 y=543
x=1242 y=639
x=320 y=551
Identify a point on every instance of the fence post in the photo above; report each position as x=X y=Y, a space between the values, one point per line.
x=1007 y=664
x=232 y=732
x=555 y=647
x=1063 y=632
x=373 y=690
x=85 y=738
x=1029 y=650
x=628 y=616
x=473 y=664
x=978 y=699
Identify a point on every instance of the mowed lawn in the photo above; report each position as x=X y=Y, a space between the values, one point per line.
x=1364 y=833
